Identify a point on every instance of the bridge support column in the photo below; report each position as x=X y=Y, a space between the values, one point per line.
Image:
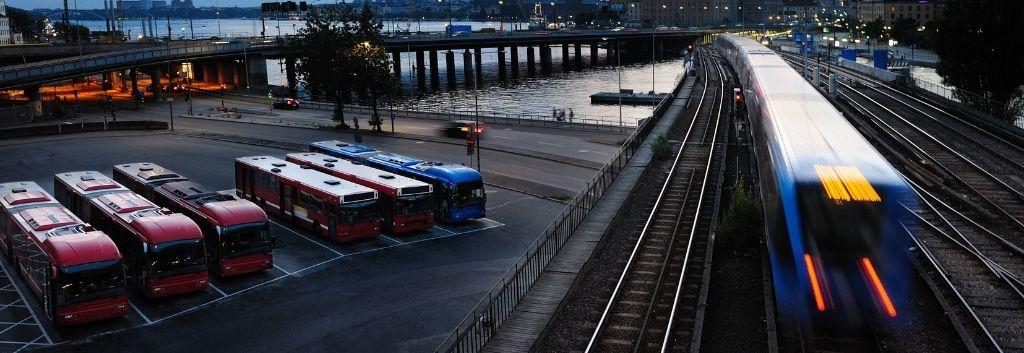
x=133 y=75
x=256 y=72
x=225 y=72
x=209 y=72
x=467 y=67
x=501 y=63
x=545 y=58
x=396 y=57
x=593 y=53
x=435 y=73
x=156 y=75
x=514 y=60
x=421 y=68
x=566 y=63
x=478 y=55
x=449 y=61
x=35 y=100
x=577 y=57
x=293 y=82
x=531 y=65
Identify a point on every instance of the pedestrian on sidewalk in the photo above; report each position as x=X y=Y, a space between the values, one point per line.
x=571 y=115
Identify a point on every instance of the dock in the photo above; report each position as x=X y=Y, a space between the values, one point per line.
x=628 y=97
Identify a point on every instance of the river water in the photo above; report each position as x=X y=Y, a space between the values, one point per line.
x=534 y=95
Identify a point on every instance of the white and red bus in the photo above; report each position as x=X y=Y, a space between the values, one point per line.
x=406 y=204
x=236 y=231
x=163 y=251
x=74 y=270
x=336 y=209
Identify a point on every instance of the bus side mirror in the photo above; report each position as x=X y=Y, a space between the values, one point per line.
x=88 y=227
x=165 y=210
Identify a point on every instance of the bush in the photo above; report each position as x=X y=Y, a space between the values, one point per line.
x=741 y=225
x=660 y=147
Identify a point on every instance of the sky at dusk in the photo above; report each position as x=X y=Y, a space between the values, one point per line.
x=98 y=4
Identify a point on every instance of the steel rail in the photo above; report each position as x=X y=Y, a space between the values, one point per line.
x=591 y=345
x=700 y=203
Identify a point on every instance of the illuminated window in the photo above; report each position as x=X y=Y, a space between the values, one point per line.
x=845 y=184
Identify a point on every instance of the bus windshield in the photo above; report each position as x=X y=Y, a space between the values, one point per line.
x=357 y=212
x=176 y=257
x=413 y=204
x=245 y=239
x=468 y=194
x=85 y=282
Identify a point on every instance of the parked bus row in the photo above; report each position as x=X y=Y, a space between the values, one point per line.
x=155 y=231
x=82 y=249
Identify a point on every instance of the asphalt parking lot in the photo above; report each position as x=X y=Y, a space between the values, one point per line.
x=390 y=294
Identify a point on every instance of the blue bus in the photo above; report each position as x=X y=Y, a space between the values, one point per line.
x=459 y=190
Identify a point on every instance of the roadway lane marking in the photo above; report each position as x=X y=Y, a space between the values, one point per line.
x=503 y=137
x=391 y=239
x=137 y=311
x=549 y=144
x=336 y=252
x=3 y=265
x=510 y=202
x=216 y=289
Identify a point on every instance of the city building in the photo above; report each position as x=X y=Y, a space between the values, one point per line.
x=182 y=4
x=889 y=11
x=5 y=25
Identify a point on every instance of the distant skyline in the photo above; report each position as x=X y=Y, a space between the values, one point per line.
x=98 y=4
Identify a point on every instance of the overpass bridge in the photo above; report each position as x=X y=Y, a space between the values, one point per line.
x=231 y=62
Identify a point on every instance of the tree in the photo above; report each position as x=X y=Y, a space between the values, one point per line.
x=28 y=23
x=875 y=30
x=976 y=46
x=374 y=79
x=78 y=32
x=741 y=223
x=322 y=49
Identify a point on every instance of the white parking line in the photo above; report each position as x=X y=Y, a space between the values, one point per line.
x=12 y=326
x=33 y=342
x=137 y=311
x=444 y=229
x=321 y=263
x=282 y=270
x=391 y=239
x=217 y=289
x=3 y=265
x=336 y=252
x=549 y=144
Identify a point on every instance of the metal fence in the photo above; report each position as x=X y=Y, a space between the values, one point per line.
x=958 y=95
x=481 y=324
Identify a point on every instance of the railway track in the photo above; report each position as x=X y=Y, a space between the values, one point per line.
x=982 y=275
x=652 y=306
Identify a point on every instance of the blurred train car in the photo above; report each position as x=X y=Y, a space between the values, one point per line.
x=833 y=205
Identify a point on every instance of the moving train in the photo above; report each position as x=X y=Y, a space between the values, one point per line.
x=834 y=207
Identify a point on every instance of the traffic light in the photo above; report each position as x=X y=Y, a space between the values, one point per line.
x=689 y=47
x=470 y=145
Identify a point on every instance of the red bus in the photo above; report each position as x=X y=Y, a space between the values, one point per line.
x=336 y=209
x=163 y=251
x=237 y=232
x=406 y=203
x=74 y=270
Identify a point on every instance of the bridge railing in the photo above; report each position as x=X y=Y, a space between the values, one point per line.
x=25 y=72
x=477 y=328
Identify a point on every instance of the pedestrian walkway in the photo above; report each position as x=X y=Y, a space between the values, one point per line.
x=527 y=322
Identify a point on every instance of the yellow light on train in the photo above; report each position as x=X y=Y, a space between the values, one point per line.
x=845 y=184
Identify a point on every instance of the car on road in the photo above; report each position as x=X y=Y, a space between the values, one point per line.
x=632 y=30
x=286 y=103
x=462 y=128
